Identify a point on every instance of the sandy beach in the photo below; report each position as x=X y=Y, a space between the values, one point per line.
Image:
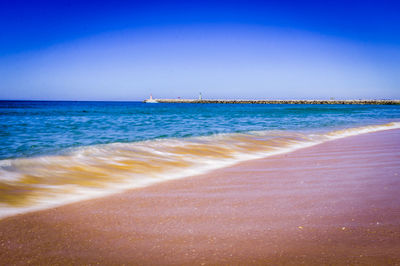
x=333 y=203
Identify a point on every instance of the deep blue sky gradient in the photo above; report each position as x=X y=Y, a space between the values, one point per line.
x=43 y=32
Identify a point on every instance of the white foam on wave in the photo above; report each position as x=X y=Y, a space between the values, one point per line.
x=361 y=130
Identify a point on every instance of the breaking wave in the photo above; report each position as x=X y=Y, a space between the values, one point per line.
x=28 y=184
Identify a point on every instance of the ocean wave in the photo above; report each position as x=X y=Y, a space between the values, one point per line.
x=28 y=184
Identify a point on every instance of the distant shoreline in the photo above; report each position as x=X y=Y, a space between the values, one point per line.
x=375 y=102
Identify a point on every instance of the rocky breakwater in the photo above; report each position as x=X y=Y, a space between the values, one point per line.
x=379 y=102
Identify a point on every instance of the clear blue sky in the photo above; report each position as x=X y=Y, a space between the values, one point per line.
x=125 y=50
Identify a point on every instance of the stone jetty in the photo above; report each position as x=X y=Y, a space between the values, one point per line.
x=378 y=102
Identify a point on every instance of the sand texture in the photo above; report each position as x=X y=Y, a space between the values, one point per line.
x=334 y=203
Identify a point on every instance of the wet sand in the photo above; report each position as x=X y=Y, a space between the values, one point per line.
x=334 y=203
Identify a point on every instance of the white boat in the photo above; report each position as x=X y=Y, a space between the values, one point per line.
x=150 y=100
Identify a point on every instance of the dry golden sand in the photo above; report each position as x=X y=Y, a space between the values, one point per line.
x=334 y=203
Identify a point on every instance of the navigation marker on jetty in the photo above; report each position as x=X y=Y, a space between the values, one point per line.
x=150 y=100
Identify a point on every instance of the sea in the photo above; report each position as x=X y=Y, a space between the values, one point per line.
x=58 y=152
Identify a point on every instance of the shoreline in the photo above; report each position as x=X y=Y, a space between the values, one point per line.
x=220 y=161
x=334 y=203
x=220 y=101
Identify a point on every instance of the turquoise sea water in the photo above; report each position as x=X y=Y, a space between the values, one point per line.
x=39 y=128
x=53 y=153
